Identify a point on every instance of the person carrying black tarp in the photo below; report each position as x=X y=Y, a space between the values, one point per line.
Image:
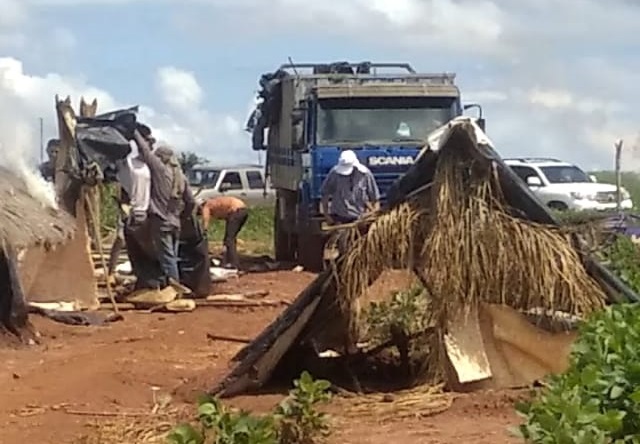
x=170 y=196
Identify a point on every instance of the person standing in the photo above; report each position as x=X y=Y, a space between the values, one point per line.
x=234 y=212
x=134 y=189
x=349 y=191
x=170 y=196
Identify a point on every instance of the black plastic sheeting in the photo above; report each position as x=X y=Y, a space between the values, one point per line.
x=100 y=143
x=194 y=258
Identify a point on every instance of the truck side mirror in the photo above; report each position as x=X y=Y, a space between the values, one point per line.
x=224 y=186
x=481 y=123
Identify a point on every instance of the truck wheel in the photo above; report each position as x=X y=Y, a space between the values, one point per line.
x=284 y=242
x=311 y=252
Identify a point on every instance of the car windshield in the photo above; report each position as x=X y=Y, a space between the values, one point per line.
x=565 y=174
x=381 y=120
x=200 y=178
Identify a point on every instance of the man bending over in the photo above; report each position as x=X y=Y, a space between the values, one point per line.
x=234 y=212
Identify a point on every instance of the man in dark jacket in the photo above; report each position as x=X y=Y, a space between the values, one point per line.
x=170 y=197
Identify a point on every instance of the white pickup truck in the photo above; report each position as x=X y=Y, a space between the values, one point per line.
x=564 y=186
x=246 y=182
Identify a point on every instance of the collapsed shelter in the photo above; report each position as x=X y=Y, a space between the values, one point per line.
x=488 y=255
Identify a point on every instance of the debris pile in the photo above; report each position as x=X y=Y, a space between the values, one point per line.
x=486 y=253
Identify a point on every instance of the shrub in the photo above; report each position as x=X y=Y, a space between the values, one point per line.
x=294 y=421
x=598 y=399
x=623 y=259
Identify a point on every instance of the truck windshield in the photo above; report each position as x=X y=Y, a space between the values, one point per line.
x=381 y=120
x=199 y=178
x=565 y=174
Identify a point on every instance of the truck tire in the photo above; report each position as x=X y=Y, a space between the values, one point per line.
x=284 y=243
x=311 y=252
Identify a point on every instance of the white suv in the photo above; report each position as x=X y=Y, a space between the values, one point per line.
x=563 y=186
x=246 y=182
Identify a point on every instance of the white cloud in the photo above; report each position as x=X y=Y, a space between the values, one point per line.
x=551 y=98
x=24 y=98
x=179 y=89
x=470 y=26
x=555 y=78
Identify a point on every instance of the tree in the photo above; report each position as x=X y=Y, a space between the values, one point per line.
x=189 y=159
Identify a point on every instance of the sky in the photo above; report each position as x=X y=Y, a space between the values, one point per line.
x=555 y=78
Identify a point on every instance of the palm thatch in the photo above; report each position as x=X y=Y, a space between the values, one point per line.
x=26 y=221
x=469 y=247
x=469 y=229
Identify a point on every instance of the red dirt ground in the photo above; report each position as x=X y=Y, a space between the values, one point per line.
x=113 y=368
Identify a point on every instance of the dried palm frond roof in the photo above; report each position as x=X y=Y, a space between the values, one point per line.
x=468 y=243
x=26 y=221
x=468 y=227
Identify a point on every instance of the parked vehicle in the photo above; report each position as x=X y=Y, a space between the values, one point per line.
x=312 y=112
x=246 y=182
x=564 y=186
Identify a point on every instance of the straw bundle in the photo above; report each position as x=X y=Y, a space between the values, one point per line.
x=467 y=248
x=388 y=241
x=476 y=252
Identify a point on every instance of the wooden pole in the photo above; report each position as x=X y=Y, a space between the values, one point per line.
x=618 y=146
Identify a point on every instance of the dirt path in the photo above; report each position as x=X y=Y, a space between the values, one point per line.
x=115 y=367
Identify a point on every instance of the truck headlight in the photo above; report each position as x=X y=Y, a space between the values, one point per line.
x=579 y=195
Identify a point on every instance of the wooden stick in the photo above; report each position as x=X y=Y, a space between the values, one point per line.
x=268 y=303
x=101 y=413
x=228 y=338
x=238 y=296
x=125 y=306
x=96 y=234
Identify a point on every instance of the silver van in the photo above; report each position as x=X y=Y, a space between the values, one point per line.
x=246 y=182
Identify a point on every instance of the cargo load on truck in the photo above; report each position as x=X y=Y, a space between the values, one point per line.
x=503 y=283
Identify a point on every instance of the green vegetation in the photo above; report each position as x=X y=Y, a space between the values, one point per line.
x=295 y=421
x=598 y=399
x=630 y=181
x=407 y=312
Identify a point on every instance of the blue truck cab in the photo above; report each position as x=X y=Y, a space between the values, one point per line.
x=311 y=112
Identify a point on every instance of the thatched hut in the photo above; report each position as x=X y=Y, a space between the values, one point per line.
x=486 y=252
x=39 y=255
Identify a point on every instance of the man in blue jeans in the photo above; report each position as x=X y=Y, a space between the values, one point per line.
x=170 y=198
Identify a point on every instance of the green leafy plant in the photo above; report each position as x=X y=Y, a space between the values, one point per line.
x=299 y=421
x=219 y=425
x=405 y=312
x=597 y=401
x=294 y=421
x=623 y=258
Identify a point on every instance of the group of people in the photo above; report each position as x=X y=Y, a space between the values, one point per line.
x=155 y=202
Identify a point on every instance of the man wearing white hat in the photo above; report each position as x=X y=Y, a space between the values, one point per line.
x=351 y=189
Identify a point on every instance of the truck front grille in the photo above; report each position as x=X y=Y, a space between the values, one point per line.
x=606 y=197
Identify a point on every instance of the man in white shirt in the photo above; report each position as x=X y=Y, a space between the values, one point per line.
x=134 y=178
